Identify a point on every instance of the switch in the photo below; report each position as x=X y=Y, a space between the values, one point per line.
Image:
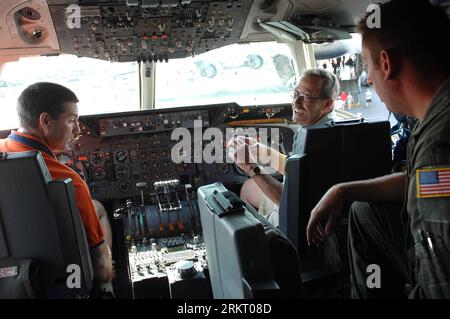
x=169 y=3
x=150 y=3
x=141 y=186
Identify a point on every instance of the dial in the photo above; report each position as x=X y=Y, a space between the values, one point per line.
x=121 y=156
x=99 y=173
x=154 y=155
x=155 y=165
x=123 y=172
x=165 y=153
x=165 y=163
x=123 y=186
x=143 y=155
x=98 y=158
x=145 y=166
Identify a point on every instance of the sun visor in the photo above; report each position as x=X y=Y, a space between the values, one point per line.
x=311 y=28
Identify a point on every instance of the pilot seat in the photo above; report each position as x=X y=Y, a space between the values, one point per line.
x=329 y=153
x=43 y=246
x=247 y=257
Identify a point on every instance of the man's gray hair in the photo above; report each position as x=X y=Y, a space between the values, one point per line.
x=330 y=83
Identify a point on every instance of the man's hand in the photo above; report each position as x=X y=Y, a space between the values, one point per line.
x=328 y=207
x=243 y=151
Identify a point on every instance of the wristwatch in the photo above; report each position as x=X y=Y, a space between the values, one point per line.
x=256 y=170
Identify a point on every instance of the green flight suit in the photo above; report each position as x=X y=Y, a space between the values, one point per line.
x=378 y=233
x=429 y=198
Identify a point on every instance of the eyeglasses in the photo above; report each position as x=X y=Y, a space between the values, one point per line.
x=305 y=97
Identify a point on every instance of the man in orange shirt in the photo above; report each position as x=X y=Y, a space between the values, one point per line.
x=48 y=115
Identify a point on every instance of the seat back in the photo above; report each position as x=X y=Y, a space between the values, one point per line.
x=240 y=261
x=39 y=220
x=330 y=153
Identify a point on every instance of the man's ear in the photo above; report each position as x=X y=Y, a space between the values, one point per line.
x=328 y=107
x=44 y=121
x=389 y=65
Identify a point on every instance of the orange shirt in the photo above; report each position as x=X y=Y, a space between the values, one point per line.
x=92 y=226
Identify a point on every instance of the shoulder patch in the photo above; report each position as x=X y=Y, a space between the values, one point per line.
x=433 y=182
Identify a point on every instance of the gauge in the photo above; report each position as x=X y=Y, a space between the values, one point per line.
x=165 y=153
x=155 y=165
x=145 y=166
x=121 y=156
x=65 y=159
x=165 y=163
x=154 y=155
x=99 y=173
x=123 y=186
x=143 y=155
x=123 y=172
x=98 y=158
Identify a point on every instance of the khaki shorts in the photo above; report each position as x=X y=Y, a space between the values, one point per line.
x=269 y=210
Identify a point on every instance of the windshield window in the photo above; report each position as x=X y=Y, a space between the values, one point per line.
x=248 y=74
x=101 y=86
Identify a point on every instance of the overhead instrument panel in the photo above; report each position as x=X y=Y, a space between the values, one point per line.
x=147 y=30
x=151 y=123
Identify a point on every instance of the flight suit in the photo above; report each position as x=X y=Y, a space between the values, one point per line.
x=413 y=245
x=429 y=198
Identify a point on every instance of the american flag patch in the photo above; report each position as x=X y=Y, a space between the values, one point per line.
x=433 y=182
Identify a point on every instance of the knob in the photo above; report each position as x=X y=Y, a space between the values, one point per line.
x=185 y=269
x=141 y=185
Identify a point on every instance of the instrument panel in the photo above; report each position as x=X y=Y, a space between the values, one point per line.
x=147 y=30
x=152 y=123
x=118 y=168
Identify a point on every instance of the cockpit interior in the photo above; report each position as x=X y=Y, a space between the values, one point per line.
x=155 y=193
